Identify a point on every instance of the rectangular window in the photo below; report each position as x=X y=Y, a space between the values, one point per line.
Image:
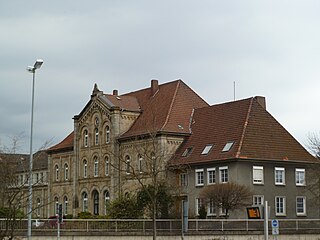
x=301 y=206
x=224 y=175
x=258 y=200
x=206 y=149
x=198 y=205
x=199 y=177
x=211 y=175
x=279 y=176
x=300 y=177
x=280 y=206
x=183 y=179
x=257 y=174
x=211 y=208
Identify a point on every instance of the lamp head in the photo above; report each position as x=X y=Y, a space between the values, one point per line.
x=38 y=63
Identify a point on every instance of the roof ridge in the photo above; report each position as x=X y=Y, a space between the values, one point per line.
x=171 y=105
x=244 y=128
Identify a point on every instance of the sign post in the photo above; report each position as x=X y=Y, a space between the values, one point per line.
x=275 y=227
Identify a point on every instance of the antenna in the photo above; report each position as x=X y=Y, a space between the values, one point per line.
x=234 y=90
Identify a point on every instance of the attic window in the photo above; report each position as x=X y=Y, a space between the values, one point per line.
x=227 y=147
x=118 y=98
x=187 y=152
x=206 y=149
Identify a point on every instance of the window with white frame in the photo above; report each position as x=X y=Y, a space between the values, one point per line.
x=300 y=177
x=206 y=149
x=211 y=175
x=106 y=201
x=257 y=174
x=96 y=136
x=258 y=200
x=128 y=166
x=199 y=177
x=84 y=202
x=198 y=205
x=183 y=179
x=140 y=163
x=56 y=206
x=280 y=206
x=107 y=134
x=85 y=138
x=66 y=171
x=222 y=212
x=85 y=168
x=57 y=172
x=95 y=167
x=279 y=176
x=224 y=175
x=106 y=166
x=301 y=206
x=38 y=207
x=65 y=203
x=211 y=208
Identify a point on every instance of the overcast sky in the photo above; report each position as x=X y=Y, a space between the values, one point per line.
x=269 y=48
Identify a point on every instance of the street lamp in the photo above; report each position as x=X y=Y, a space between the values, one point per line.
x=31 y=69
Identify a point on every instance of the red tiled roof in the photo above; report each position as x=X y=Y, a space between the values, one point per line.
x=168 y=110
x=255 y=133
x=65 y=144
x=124 y=102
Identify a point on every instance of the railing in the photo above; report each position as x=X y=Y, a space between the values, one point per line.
x=169 y=226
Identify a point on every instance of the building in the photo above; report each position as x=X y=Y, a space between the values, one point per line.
x=115 y=136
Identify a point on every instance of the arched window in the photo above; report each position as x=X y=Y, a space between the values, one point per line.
x=107 y=134
x=85 y=168
x=66 y=171
x=107 y=166
x=84 y=202
x=106 y=201
x=65 y=205
x=95 y=202
x=38 y=207
x=127 y=158
x=95 y=167
x=57 y=172
x=56 y=205
x=140 y=163
x=96 y=136
x=85 y=138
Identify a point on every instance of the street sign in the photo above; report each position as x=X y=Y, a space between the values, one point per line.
x=275 y=227
x=253 y=213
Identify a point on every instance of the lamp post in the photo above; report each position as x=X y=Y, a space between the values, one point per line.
x=31 y=69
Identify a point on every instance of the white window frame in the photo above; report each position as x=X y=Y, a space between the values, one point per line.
x=223 y=178
x=211 y=211
x=140 y=163
x=66 y=171
x=106 y=167
x=85 y=138
x=107 y=134
x=255 y=201
x=257 y=175
x=95 y=167
x=277 y=208
x=85 y=168
x=198 y=203
x=57 y=172
x=298 y=173
x=211 y=180
x=96 y=136
x=199 y=180
x=183 y=177
x=304 y=205
x=283 y=178
x=128 y=164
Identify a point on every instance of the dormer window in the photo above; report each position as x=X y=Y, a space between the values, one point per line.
x=227 y=147
x=207 y=149
x=187 y=152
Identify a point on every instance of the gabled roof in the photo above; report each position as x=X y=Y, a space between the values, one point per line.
x=254 y=132
x=65 y=145
x=169 y=109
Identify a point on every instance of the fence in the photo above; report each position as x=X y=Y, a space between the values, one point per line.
x=168 y=226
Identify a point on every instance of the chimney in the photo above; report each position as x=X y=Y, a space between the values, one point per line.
x=115 y=92
x=261 y=101
x=154 y=86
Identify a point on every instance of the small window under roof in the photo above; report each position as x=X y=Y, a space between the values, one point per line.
x=207 y=149
x=187 y=152
x=227 y=147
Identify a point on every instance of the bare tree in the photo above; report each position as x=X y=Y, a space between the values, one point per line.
x=227 y=196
